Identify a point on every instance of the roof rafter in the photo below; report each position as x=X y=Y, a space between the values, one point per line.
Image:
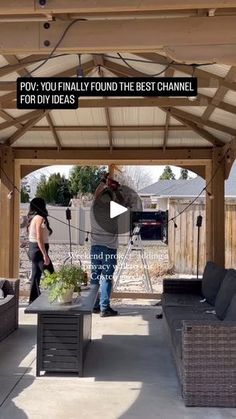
x=189 y=70
x=10 y=119
x=11 y=68
x=54 y=133
x=12 y=59
x=219 y=95
x=142 y=128
x=8 y=99
x=16 y=121
x=224 y=106
x=18 y=134
x=198 y=120
x=130 y=102
x=200 y=131
x=122 y=70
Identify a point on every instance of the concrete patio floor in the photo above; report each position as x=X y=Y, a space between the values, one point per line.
x=129 y=373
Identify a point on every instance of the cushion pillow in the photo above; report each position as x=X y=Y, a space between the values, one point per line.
x=213 y=276
x=231 y=312
x=2 y=281
x=225 y=294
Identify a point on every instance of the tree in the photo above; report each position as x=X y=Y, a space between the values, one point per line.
x=85 y=179
x=42 y=190
x=136 y=177
x=55 y=190
x=167 y=174
x=25 y=191
x=184 y=174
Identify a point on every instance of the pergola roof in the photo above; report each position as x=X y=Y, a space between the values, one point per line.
x=118 y=123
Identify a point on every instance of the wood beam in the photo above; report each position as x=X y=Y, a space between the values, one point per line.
x=25 y=7
x=200 y=131
x=179 y=156
x=18 y=134
x=122 y=70
x=11 y=121
x=229 y=151
x=218 y=208
x=113 y=128
x=9 y=239
x=128 y=35
x=127 y=102
x=22 y=72
x=198 y=72
x=54 y=133
x=197 y=120
x=7 y=99
x=12 y=59
x=209 y=212
x=202 y=53
x=16 y=121
x=10 y=68
x=227 y=107
x=6 y=86
x=219 y=95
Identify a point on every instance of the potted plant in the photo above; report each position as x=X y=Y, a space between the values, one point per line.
x=64 y=282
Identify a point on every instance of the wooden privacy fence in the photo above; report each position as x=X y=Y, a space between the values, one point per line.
x=182 y=240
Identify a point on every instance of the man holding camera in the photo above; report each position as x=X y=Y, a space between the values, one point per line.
x=104 y=242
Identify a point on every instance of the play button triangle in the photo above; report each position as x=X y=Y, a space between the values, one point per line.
x=116 y=209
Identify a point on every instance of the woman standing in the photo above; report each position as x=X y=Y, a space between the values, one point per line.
x=39 y=231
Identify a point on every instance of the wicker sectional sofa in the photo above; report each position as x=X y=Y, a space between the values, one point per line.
x=9 y=306
x=204 y=347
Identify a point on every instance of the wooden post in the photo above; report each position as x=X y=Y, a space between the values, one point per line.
x=9 y=207
x=218 y=207
x=209 y=214
x=16 y=221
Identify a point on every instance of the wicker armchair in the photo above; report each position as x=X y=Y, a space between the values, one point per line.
x=9 y=307
x=204 y=347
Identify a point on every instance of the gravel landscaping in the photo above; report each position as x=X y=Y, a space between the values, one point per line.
x=132 y=277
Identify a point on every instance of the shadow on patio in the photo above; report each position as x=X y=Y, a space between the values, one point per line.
x=129 y=373
x=17 y=356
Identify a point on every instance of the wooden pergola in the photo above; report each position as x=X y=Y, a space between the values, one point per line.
x=171 y=37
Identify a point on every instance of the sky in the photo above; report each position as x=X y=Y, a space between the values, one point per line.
x=154 y=171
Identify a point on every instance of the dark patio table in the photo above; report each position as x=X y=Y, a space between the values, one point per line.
x=63 y=332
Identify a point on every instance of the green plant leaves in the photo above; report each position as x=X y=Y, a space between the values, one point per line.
x=67 y=277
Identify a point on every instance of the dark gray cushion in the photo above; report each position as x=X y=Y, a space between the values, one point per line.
x=2 y=282
x=184 y=300
x=213 y=276
x=225 y=294
x=231 y=312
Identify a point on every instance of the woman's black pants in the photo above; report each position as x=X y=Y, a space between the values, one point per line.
x=38 y=267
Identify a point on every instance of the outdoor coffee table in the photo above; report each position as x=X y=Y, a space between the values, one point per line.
x=63 y=332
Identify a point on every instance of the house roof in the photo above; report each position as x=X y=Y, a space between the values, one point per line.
x=187 y=188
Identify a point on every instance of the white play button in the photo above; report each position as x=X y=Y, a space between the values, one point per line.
x=116 y=209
